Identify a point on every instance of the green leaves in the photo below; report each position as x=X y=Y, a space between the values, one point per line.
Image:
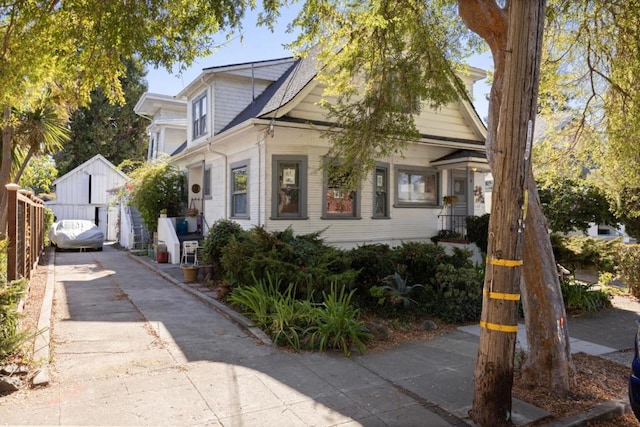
x=382 y=61
x=156 y=186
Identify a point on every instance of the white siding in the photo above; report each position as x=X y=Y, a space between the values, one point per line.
x=72 y=193
x=404 y=224
x=232 y=96
x=447 y=122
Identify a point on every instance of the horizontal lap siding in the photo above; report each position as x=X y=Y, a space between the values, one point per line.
x=447 y=122
x=231 y=96
x=404 y=224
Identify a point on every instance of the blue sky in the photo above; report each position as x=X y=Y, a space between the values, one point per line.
x=258 y=43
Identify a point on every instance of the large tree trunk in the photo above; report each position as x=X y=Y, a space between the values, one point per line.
x=511 y=172
x=549 y=358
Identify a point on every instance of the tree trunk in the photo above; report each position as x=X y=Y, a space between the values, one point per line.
x=5 y=168
x=549 y=358
x=511 y=158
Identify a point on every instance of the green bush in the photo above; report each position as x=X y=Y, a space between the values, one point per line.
x=11 y=338
x=304 y=260
x=629 y=267
x=580 y=298
x=418 y=262
x=372 y=263
x=155 y=187
x=457 y=293
x=478 y=231
x=221 y=233
x=585 y=253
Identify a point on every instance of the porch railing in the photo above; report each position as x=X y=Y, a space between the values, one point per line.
x=456 y=224
x=25 y=231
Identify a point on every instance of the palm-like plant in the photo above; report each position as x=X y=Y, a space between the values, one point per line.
x=40 y=130
x=398 y=290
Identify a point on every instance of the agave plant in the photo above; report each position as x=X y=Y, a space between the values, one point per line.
x=397 y=290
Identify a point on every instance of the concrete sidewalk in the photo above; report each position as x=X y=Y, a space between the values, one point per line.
x=133 y=345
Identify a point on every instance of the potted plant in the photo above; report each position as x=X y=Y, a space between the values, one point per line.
x=449 y=200
x=190 y=272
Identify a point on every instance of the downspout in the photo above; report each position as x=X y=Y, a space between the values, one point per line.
x=225 y=174
x=260 y=180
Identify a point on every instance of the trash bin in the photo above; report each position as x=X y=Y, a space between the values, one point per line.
x=181 y=227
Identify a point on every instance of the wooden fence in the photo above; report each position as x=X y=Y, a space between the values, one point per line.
x=25 y=231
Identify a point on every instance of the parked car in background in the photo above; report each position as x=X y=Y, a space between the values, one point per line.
x=634 y=378
x=76 y=234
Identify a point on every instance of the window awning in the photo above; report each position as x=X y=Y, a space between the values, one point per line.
x=463 y=159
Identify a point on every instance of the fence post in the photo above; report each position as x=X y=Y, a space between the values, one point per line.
x=12 y=231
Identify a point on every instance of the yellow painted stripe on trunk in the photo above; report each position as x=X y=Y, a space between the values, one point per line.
x=497 y=327
x=500 y=295
x=505 y=262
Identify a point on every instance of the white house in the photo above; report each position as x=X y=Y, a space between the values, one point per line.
x=86 y=192
x=168 y=117
x=254 y=152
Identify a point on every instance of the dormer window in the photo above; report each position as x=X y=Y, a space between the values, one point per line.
x=200 y=116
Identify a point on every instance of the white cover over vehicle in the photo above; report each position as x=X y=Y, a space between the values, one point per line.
x=76 y=234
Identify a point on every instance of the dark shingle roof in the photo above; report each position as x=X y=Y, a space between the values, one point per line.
x=280 y=92
x=462 y=154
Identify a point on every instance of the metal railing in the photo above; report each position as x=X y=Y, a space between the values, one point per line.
x=456 y=224
x=25 y=231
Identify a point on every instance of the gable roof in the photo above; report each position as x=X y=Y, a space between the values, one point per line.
x=277 y=94
x=96 y=158
x=272 y=103
x=244 y=66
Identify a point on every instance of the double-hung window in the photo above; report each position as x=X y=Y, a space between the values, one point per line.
x=240 y=190
x=199 y=112
x=416 y=187
x=289 y=187
x=339 y=200
x=381 y=191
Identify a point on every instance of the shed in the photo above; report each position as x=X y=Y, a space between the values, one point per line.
x=84 y=193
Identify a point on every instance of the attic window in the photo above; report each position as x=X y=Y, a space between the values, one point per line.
x=200 y=115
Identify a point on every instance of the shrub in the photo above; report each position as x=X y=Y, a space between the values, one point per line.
x=585 y=252
x=418 y=261
x=372 y=263
x=629 y=267
x=157 y=186
x=457 y=293
x=304 y=260
x=11 y=339
x=478 y=231
x=221 y=233
x=580 y=298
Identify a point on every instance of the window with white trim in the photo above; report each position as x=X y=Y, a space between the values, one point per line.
x=239 y=190
x=416 y=187
x=289 y=190
x=199 y=111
